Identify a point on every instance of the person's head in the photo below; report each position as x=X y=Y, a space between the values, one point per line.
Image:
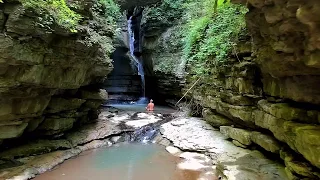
x=151 y=101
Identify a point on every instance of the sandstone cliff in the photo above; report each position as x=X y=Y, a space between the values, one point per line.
x=266 y=95
x=46 y=67
x=271 y=97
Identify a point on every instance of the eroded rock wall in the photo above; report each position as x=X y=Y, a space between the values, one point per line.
x=162 y=52
x=268 y=94
x=46 y=71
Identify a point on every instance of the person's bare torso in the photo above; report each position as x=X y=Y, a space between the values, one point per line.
x=150 y=107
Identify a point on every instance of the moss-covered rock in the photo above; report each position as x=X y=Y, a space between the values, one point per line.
x=61 y=104
x=296 y=166
x=47 y=48
x=13 y=130
x=35 y=148
x=268 y=143
x=241 y=135
x=51 y=126
x=33 y=123
x=237 y=143
x=215 y=119
x=287 y=112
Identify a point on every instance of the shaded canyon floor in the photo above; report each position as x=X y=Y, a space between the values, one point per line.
x=198 y=151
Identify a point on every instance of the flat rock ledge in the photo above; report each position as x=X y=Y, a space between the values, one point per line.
x=230 y=162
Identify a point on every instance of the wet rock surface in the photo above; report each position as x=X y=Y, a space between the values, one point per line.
x=229 y=161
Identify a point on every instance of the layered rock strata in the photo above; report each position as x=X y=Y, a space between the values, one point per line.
x=228 y=161
x=46 y=70
x=268 y=94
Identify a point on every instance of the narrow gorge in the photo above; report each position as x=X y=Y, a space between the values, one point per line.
x=236 y=87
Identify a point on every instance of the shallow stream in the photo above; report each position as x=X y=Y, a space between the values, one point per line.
x=125 y=161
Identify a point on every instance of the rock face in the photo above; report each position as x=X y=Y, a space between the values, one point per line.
x=162 y=53
x=270 y=96
x=267 y=93
x=46 y=70
x=277 y=28
x=230 y=162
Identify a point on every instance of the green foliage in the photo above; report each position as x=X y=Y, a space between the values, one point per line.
x=208 y=30
x=108 y=9
x=54 y=11
x=210 y=36
x=167 y=12
x=169 y=56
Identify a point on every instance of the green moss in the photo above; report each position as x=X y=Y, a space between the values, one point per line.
x=54 y=11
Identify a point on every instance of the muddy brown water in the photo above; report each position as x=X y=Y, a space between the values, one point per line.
x=128 y=161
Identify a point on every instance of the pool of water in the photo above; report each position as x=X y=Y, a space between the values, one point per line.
x=127 y=161
x=142 y=108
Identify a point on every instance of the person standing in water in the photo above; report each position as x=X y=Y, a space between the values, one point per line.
x=150 y=106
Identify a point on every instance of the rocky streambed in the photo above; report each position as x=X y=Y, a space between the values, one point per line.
x=211 y=152
x=198 y=150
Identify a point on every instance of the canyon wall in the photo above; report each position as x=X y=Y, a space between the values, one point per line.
x=266 y=95
x=47 y=70
x=269 y=97
x=162 y=49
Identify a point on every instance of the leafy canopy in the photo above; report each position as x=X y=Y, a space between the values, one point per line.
x=54 y=11
x=58 y=11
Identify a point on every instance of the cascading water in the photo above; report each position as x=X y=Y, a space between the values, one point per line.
x=136 y=60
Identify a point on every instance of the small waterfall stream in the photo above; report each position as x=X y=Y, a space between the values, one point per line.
x=136 y=60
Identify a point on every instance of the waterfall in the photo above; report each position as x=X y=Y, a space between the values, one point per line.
x=136 y=60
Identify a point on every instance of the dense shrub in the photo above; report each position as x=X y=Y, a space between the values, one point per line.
x=54 y=11
x=208 y=30
x=210 y=36
x=166 y=13
x=59 y=12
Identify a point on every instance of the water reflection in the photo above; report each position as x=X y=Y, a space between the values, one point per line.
x=123 y=162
